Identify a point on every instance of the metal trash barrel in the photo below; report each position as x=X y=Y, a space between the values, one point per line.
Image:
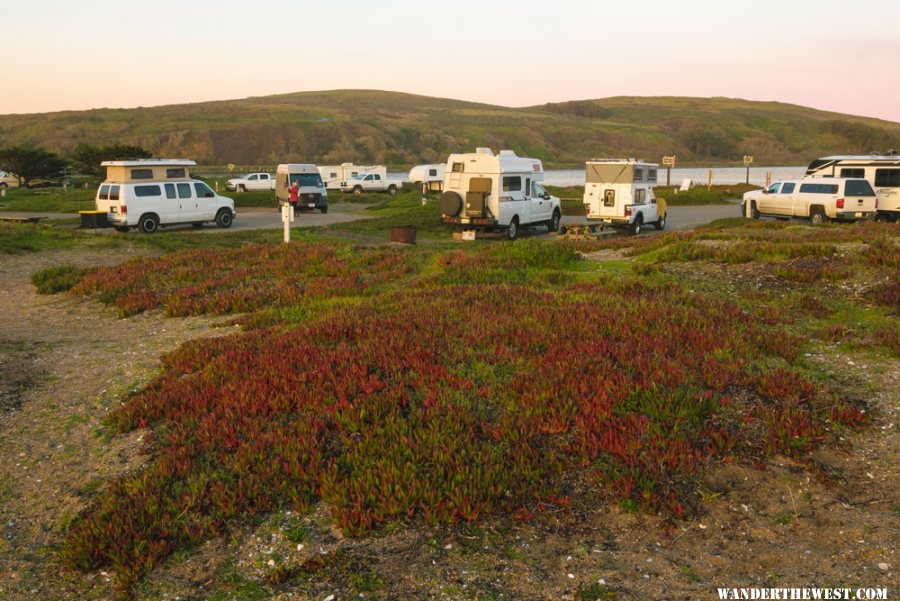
x=404 y=234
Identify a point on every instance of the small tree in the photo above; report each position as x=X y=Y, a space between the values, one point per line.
x=27 y=163
x=86 y=159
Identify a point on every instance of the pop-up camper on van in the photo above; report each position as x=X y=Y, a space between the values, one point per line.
x=491 y=192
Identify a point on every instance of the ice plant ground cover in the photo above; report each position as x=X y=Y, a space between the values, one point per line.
x=445 y=385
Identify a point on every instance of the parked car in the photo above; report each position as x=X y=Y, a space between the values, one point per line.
x=8 y=180
x=370 y=182
x=153 y=193
x=252 y=181
x=497 y=192
x=818 y=199
x=619 y=193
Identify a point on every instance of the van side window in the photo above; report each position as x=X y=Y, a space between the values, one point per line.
x=887 y=178
x=142 y=191
x=175 y=172
x=858 y=187
x=788 y=188
x=114 y=193
x=170 y=191
x=512 y=183
x=142 y=174
x=848 y=172
x=527 y=186
x=104 y=192
x=184 y=190
x=203 y=191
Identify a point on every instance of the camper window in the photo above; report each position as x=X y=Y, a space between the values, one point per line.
x=512 y=183
x=184 y=190
x=175 y=172
x=170 y=191
x=651 y=176
x=141 y=191
x=142 y=174
x=887 y=178
x=458 y=167
x=640 y=196
x=847 y=172
x=432 y=173
x=819 y=188
x=638 y=174
x=858 y=188
x=333 y=175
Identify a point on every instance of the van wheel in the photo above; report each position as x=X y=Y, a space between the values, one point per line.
x=357 y=189
x=754 y=212
x=224 y=218
x=636 y=226
x=324 y=210
x=660 y=223
x=553 y=226
x=149 y=223
x=392 y=190
x=817 y=216
x=513 y=229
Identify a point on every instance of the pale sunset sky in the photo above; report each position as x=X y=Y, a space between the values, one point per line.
x=828 y=54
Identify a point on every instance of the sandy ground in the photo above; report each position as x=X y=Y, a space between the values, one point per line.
x=64 y=362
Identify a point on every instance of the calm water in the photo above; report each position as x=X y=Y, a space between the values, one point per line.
x=721 y=175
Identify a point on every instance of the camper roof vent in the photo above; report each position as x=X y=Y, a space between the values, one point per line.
x=484 y=151
x=507 y=153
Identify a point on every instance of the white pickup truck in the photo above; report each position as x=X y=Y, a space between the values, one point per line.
x=252 y=181
x=370 y=182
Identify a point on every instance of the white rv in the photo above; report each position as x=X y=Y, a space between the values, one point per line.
x=335 y=175
x=619 y=192
x=153 y=193
x=881 y=171
x=429 y=176
x=487 y=191
x=312 y=193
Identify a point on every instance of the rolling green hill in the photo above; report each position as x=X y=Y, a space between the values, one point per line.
x=402 y=129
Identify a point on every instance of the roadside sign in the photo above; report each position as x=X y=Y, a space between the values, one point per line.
x=668 y=161
x=748 y=159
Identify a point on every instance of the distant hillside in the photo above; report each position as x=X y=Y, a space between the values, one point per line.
x=394 y=128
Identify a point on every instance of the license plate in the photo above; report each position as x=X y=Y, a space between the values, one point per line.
x=312 y=205
x=859 y=214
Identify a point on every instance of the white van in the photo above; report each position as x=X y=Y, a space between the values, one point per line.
x=619 y=192
x=484 y=191
x=312 y=193
x=153 y=193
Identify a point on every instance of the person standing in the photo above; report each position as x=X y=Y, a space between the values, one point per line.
x=294 y=192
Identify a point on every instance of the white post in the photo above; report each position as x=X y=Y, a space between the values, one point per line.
x=3 y=191
x=287 y=215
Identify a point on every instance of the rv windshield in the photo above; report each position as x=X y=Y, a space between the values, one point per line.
x=307 y=180
x=613 y=173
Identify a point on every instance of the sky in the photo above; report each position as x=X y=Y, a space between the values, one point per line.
x=827 y=54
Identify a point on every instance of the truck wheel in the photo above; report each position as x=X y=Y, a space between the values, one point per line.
x=636 y=226
x=553 y=226
x=324 y=210
x=357 y=189
x=660 y=223
x=754 y=212
x=242 y=188
x=149 y=223
x=817 y=216
x=883 y=217
x=392 y=189
x=224 y=218
x=513 y=230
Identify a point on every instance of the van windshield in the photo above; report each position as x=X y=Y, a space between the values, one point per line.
x=601 y=173
x=307 y=180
